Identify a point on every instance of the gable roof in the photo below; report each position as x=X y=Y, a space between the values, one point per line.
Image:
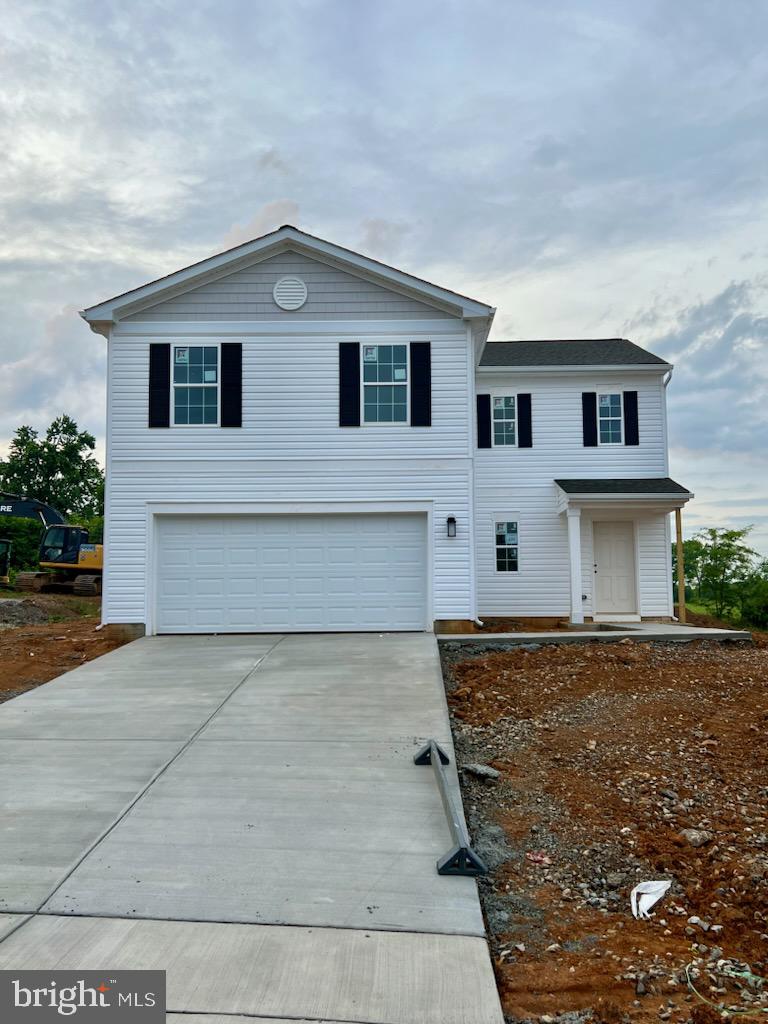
x=578 y=352
x=284 y=238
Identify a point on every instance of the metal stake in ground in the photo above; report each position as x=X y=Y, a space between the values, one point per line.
x=461 y=859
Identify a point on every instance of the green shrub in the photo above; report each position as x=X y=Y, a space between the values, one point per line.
x=24 y=535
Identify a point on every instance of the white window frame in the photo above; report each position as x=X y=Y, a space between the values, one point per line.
x=505 y=394
x=197 y=343
x=372 y=384
x=611 y=444
x=506 y=517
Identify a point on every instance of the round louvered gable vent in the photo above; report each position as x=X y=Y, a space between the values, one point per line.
x=290 y=293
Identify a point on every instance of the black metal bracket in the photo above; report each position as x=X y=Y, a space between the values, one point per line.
x=461 y=859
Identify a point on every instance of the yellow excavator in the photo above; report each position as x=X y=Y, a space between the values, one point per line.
x=66 y=559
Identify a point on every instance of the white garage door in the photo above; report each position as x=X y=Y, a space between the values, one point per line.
x=234 y=574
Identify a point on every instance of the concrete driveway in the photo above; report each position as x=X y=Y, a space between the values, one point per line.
x=252 y=799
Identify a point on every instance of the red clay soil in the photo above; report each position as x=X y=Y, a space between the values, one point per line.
x=33 y=654
x=608 y=753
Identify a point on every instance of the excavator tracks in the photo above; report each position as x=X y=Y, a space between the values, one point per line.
x=87 y=586
x=32 y=582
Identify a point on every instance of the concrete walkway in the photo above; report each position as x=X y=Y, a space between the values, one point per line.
x=611 y=633
x=251 y=803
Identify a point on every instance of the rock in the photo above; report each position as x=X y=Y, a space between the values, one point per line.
x=669 y=794
x=520 y=947
x=615 y=879
x=482 y=771
x=697 y=836
x=554 y=948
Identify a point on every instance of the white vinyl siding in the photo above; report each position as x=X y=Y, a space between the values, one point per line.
x=278 y=456
x=522 y=479
x=283 y=376
x=246 y=294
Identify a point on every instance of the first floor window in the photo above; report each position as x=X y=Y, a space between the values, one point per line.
x=195 y=384
x=385 y=383
x=506 y=546
x=609 y=418
x=504 y=420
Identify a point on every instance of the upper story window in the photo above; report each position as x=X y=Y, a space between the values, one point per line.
x=504 y=420
x=506 y=546
x=195 y=384
x=385 y=383
x=609 y=418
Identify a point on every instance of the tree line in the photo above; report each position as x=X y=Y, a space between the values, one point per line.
x=59 y=468
x=726 y=575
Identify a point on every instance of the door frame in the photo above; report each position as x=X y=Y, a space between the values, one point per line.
x=157 y=509
x=622 y=616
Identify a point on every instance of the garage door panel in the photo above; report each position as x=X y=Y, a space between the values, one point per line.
x=292 y=572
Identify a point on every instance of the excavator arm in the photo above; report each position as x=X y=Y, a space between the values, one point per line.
x=28 y=508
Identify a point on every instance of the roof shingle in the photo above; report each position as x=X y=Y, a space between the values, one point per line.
x=635 y=485
x=578 y=352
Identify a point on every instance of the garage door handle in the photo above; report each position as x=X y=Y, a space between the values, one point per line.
x=461 y=859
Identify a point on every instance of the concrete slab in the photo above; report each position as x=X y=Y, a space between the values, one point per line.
x=75 y=752
x=8 y=922
x=298 y=804
x=154 y=688
x=275 y=972
x=640 y=632
x=56 y=798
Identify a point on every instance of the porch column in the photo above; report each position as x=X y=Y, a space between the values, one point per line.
x=680 y=566
x=573 y=516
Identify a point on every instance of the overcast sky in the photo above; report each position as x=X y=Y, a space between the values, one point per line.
x=590 y=168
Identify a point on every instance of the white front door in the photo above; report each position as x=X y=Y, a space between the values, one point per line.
x=615 y=589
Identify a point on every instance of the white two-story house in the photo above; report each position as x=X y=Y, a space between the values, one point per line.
x=302 y=438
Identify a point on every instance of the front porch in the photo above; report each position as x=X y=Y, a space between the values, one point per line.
x=616 y=530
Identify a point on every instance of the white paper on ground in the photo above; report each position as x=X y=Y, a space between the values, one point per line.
x=645 y=896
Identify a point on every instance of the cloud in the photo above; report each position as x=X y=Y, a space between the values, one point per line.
x=270 y=216
x=64 y=373
x=382 y=238
x=588 y=169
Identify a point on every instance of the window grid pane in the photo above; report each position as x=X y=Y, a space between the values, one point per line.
x=504 y=432
x=195 y=405
x=385 y=383
x=506 y=534
x=196 y=367
x=609 y=418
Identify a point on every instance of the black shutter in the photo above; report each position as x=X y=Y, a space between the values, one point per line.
x=589 y=417
x=159 y=385
x=631 y=428
x=483 y=421
x=349 y=384
x=231 y=384
x=524 y=427
x=421 y=384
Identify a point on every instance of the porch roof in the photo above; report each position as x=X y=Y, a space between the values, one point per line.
x=629 y=492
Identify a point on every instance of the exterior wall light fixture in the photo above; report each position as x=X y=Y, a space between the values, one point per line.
x=450 y=526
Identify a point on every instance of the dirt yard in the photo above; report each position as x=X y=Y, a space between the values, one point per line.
x=618 y=763
x=43 y=635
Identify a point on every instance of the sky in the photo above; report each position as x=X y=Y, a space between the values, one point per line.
x=592 y=169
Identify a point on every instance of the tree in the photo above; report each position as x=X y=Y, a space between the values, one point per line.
x=693 y=552
x=753 y=596
x=59 y=469
x=726 y=564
